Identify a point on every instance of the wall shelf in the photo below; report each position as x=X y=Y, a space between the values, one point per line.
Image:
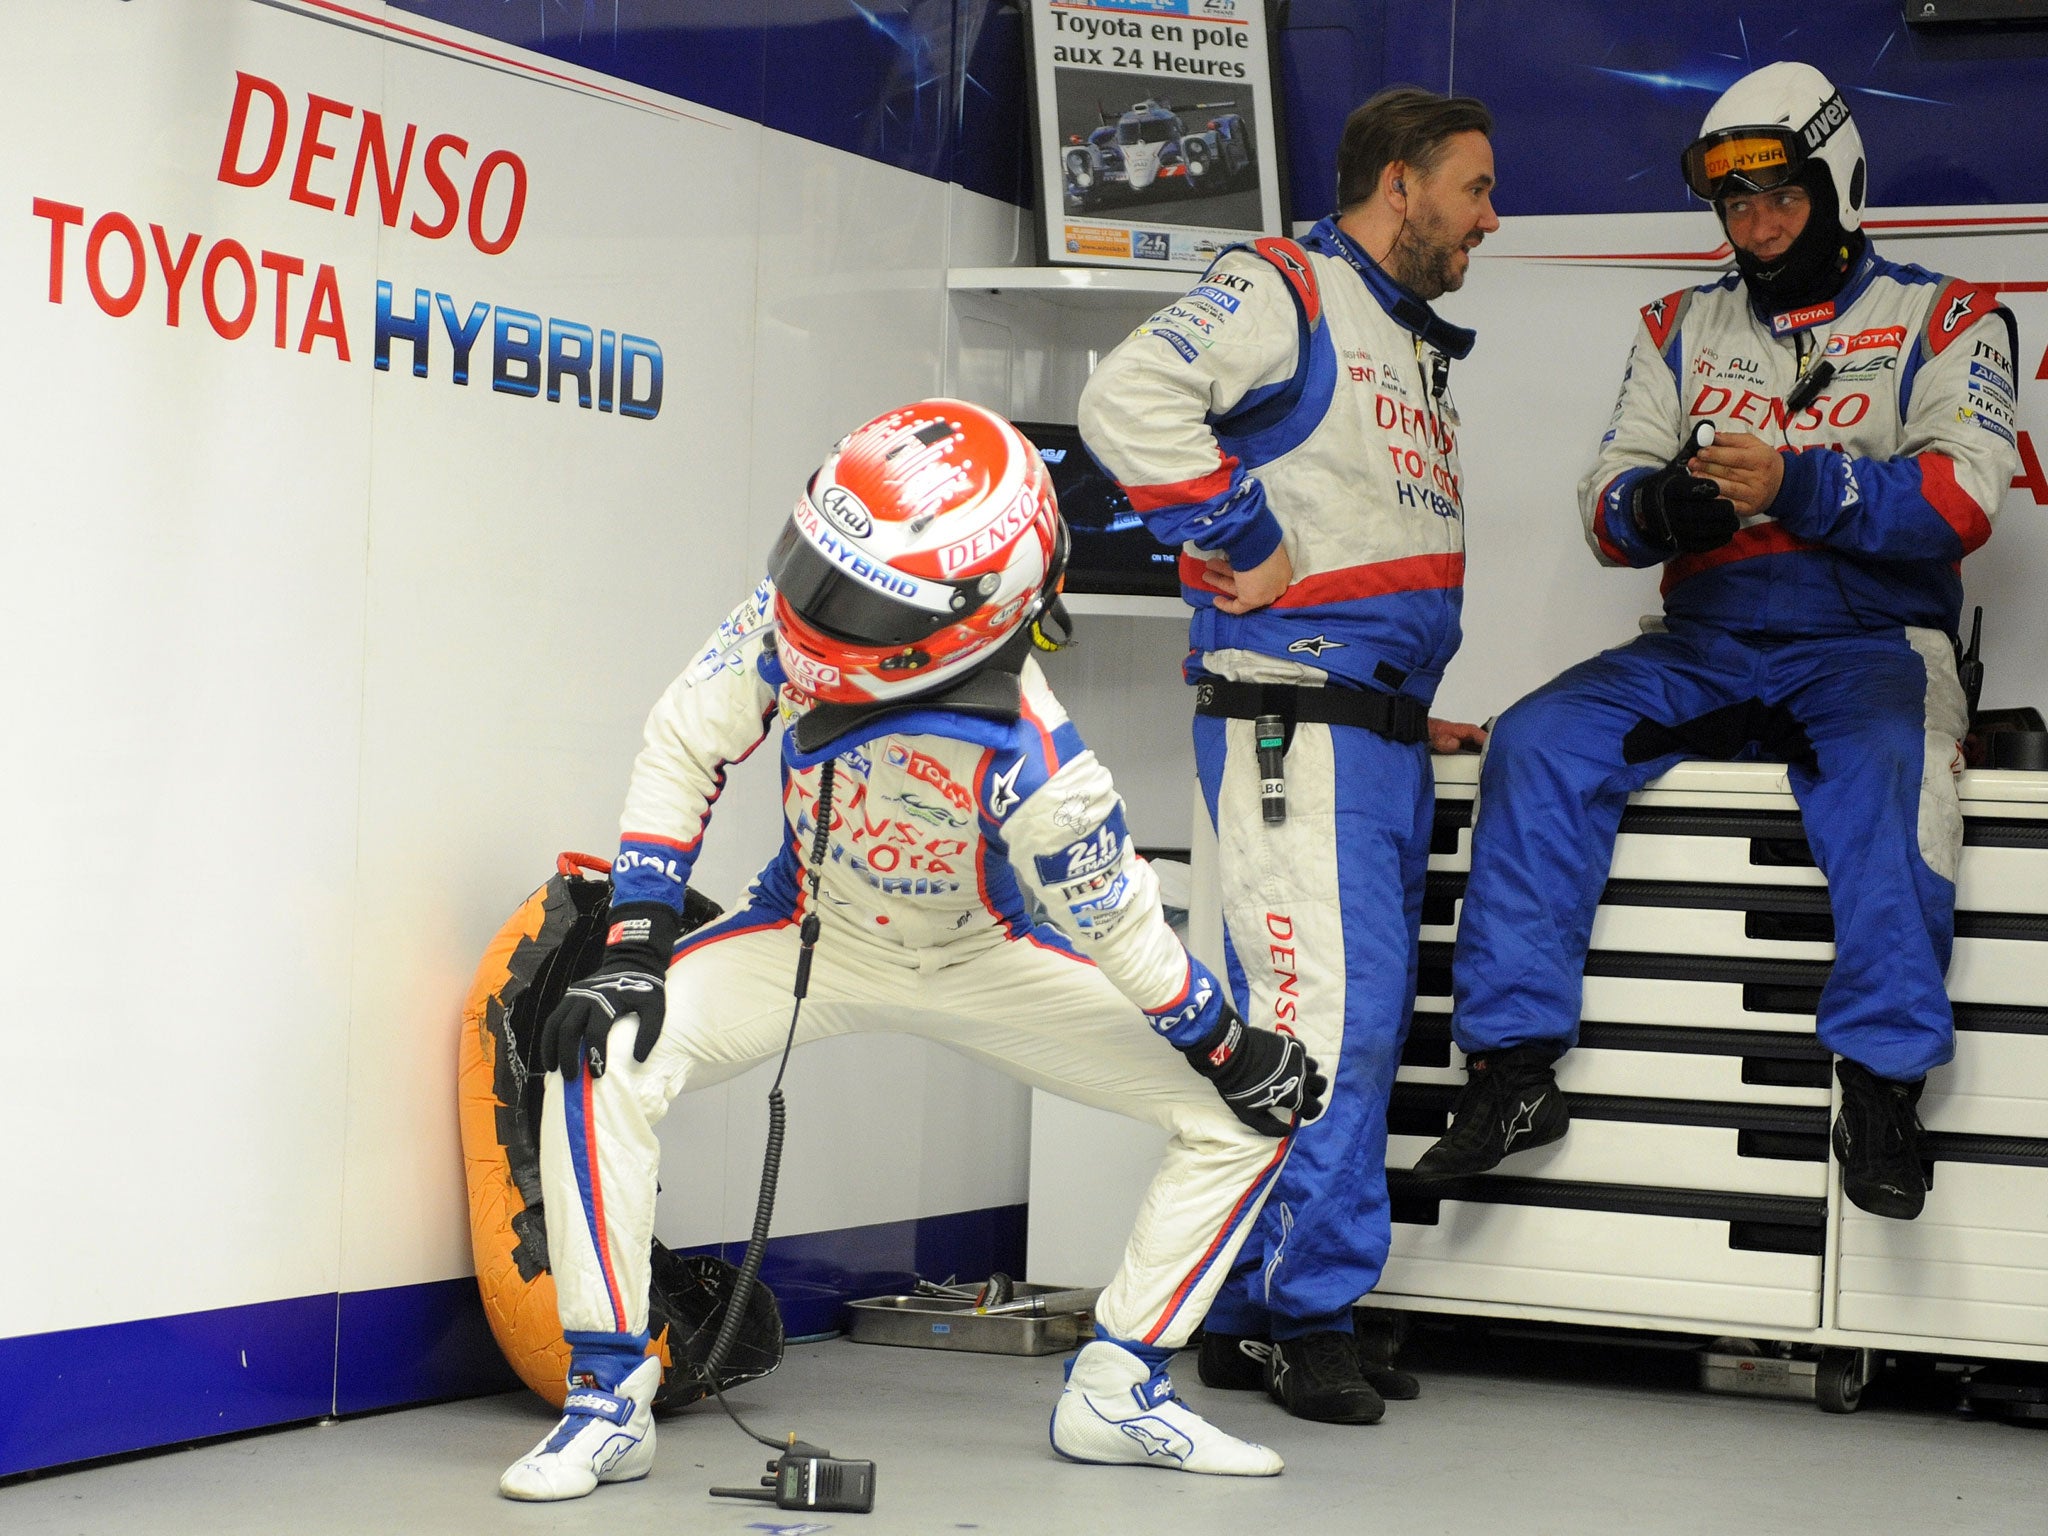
x=1116 y=605
x=1078 y=287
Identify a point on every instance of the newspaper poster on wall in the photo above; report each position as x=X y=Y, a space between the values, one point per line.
x=1155 y=129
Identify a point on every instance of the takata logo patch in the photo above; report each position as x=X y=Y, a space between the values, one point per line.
x=1100 y=850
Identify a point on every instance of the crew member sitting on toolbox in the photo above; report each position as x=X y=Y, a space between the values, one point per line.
x=1863 y=413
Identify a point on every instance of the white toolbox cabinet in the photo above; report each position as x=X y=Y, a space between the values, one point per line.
x=1517 y=1260
x=1694 y=1192
x=1974 y=1266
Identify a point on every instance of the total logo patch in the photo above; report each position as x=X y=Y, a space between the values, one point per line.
x=1802 y=319
x=1883 y=336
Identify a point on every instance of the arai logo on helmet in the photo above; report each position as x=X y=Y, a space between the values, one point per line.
x=844 y=511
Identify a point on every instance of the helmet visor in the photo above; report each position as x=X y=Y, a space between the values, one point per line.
x=1734 y=160
x=863 y=601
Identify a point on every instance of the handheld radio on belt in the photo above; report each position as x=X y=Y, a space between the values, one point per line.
x=1270 y=732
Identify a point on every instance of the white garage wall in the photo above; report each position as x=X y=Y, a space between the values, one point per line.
x=315 y=667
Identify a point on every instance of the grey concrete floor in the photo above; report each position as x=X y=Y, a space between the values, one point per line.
x=1506 y=1439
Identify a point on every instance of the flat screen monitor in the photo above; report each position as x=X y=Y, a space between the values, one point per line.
x=1113 y=551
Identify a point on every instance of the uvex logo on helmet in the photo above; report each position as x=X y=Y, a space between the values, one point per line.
x=1822 y=125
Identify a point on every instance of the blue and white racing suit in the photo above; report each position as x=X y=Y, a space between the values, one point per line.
x=1298 y=394
x=943 y=828
x=1837 y=606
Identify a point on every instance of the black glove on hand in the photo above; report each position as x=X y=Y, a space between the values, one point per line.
x=1683 y=514
x=632 y=978
x=1262 y=1074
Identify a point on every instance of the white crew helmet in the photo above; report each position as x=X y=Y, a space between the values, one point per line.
x=1767 y=127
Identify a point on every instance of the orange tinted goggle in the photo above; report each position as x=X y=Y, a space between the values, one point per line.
x=1741 y=159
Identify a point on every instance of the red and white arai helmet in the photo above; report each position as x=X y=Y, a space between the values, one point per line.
x=926 y=539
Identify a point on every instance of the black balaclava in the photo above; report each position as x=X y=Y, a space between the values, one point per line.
x=1818 y=262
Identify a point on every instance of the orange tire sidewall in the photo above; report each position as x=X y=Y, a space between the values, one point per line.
x=522 y=1312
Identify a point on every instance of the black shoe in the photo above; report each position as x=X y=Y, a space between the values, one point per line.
x=1390 y=1381
x=1377 y=1335
x=1877 y=1141
x=1316 y=1377
x=1232 y=1362
x=1510 y=1102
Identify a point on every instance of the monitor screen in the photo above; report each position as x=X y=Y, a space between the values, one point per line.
x=1112 y=551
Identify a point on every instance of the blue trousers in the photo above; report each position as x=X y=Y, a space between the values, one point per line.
x=1321 y=916
x=1883 y=713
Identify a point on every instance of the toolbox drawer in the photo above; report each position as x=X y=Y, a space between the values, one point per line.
x=1655 y=1143
x=1975 y=1263
x=1724 y=1260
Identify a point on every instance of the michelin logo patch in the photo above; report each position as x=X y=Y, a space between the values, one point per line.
x=1174 y=339
x=1100 y=850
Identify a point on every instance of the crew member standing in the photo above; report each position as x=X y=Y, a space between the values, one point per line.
x=1289 y=422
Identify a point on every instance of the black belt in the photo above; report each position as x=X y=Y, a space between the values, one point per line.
x=1395 y=716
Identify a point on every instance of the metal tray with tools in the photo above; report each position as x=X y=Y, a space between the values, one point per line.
x=1037 y=1320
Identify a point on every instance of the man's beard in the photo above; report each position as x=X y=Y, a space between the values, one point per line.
x=1424 y=259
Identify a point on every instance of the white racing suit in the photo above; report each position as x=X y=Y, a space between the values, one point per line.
x=1836 y=608
x=943 y=827
x=1298 y=394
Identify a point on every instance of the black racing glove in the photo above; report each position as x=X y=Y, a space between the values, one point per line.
x=632 y=978
x=1681 y=513
x=1262 y=1074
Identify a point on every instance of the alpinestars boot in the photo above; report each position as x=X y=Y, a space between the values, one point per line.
x=1510 y=1103
x=1231 y=1362
x=1877 y=1141
x=1120 y=1411
x=1316 y=1377
x=604 y=1437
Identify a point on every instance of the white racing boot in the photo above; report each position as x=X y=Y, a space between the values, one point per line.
x=1117 y=1410
x=604 y=1437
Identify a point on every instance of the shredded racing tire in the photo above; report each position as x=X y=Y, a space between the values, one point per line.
x=555 y=938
